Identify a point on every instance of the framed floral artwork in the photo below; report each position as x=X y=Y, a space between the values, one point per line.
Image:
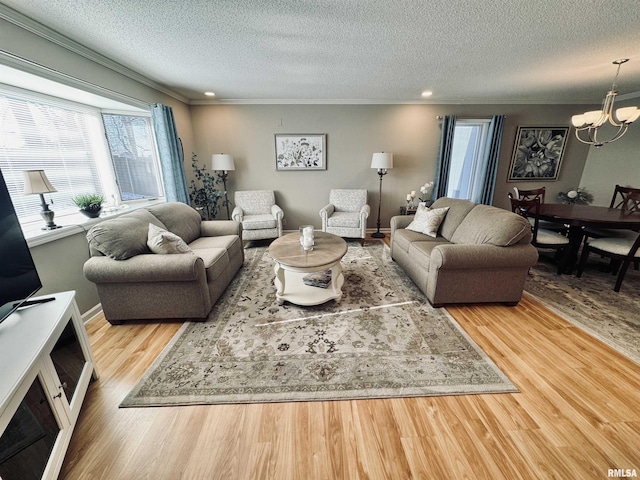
x=301 y=152
x=537 y=153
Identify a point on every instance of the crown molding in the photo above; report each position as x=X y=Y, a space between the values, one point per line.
x=27 y=66
x=365 y=101
x=30 y=25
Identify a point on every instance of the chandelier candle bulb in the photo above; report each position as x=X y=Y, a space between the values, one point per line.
x=627 y=114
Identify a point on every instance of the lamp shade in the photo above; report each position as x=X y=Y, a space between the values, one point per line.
x=222 y=161
x=382 y=160
x=36 y=181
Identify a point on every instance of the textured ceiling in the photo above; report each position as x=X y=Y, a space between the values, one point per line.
x=466 y=51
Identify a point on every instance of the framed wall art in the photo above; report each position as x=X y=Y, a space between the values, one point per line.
x=537 y=153
x=301 y=152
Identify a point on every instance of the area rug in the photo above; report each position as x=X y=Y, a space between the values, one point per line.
x=591 y=304
x=382 y=340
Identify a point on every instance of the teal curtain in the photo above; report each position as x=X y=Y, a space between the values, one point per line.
x=171 y=155
x=444 y=157
x=492 y=155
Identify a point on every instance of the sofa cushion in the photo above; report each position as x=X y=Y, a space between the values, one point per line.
x=259 y=222
x=348 y=200
x=491 y=225
x=457 y=212
x=162 y=241
x=403 y=238
x=255 y=202
x=228 y=242
x=344 y=219
x=179 y=218
x=215 y=261
x=427 y=220
x=123 y=237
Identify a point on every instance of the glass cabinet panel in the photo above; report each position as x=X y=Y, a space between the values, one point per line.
x=68 y=360
x=27 y=442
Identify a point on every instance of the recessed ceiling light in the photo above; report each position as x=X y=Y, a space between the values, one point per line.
x=210 y=94
x=427 y=93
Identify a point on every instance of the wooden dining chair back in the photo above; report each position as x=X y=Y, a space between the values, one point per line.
x=542 y=238
x=530 y=194
x=631 y=204
x=620 y=194
x=539 y=193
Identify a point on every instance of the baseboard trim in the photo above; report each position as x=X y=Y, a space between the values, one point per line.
x=92 y=313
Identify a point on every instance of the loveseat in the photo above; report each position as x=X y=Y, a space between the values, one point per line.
x=480 y=254
x=135 y=283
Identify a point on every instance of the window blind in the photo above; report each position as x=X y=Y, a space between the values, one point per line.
x=65 y=140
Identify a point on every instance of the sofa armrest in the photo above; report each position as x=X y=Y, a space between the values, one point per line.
x=277 y=212
x=400 y=221
x=216 y=228
x=237 y=214
x=145 y=268
x=365 y=211
x=327 y=211
x=458 y=256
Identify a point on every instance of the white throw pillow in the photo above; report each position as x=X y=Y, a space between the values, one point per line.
x=427 y=220
x=162 y=241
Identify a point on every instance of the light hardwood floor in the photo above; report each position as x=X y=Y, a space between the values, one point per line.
x=577 y=416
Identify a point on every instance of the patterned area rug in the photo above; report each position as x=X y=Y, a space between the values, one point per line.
x=383 y=340
x=591 y=304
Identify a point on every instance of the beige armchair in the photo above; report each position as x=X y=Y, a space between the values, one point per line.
x=260 y=216
x=346 y=213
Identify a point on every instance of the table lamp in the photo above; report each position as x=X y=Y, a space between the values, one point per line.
x=36 y=181
x=383 y=162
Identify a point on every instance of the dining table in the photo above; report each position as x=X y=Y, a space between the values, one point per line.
x=577 y=217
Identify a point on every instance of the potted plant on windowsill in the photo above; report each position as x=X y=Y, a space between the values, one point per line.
x=90 y=204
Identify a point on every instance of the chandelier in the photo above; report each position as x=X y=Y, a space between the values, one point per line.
x=588 y=124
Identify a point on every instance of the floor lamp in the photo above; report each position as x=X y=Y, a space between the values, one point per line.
x=223 y=162
x=383 y=162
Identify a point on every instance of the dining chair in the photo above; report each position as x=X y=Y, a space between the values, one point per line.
x=622 y=250
x=631 y=204
x=539 y=193
x=542 y=238
x=620 y=194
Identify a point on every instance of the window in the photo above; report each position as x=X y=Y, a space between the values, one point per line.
x=132 y=149
x=468 y=162
x=67 y=140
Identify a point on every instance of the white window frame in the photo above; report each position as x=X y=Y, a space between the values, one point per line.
x=101 y=152
x=477 y=166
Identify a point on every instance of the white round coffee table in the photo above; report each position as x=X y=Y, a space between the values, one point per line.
x=292 y=263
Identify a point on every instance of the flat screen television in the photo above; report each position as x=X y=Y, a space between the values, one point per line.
x=19 y=278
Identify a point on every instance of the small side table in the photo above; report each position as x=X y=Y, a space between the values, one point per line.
x=404 y=210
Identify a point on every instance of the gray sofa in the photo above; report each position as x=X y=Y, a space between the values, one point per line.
x=480 y=254
x=134 y=283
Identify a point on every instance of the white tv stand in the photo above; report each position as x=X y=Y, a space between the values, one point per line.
x=46 y=365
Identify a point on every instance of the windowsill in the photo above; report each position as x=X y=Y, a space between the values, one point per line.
x=76 y=223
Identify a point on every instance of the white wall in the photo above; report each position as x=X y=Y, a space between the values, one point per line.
x=354 y=133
